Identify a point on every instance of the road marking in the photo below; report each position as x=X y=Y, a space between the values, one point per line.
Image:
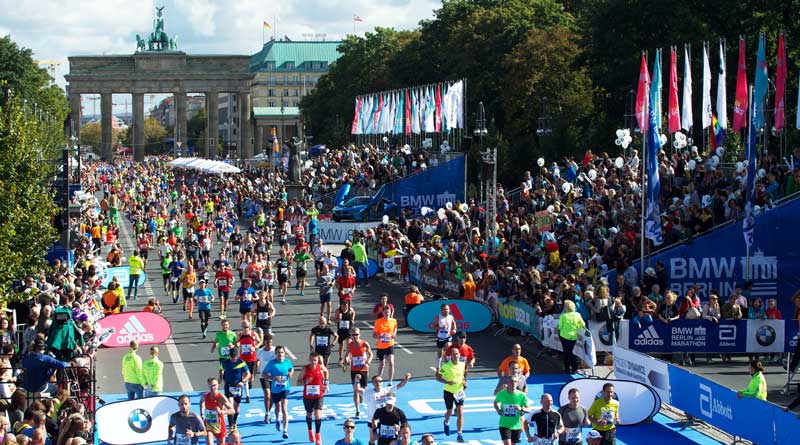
x=289 y=353
x=406 y=350
x=172 y=350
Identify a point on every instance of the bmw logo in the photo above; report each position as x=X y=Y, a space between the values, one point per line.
x=140 y=420
x=765 y=335
x=605 y=336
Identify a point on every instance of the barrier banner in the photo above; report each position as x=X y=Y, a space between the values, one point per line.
x=146 y=328
x=470 y=316
x=135 y=421
x=517 y=315
x=632 y=365
x=123 y=274
x=433 y=188
x=338 y=232
x=600 y=333
x=444 y=283
x=584 y=347
x=640 y=402
x=703 y=336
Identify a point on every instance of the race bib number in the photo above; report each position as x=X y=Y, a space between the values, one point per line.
x=460 y=396
x=608 y=416
x=443 y=334
x=279 y=381
x=388 y=432
x=573 y=435
x=347 y=290
x=223 y=283
x=173 y=279
x=263 y=315
x=543 y=441
x=247 y=349
x=322 y=342
x=344 y=325
x=359 y=361
x=182 y=439
x=212 y=417
x=247 y=297
x=203 y=299
x=312 y=390
x=509 y=411
x=236 y=391
x=225 y=351
x=386 y=338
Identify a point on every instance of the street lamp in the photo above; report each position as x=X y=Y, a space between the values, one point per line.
x=490 y=157
x=480 y=132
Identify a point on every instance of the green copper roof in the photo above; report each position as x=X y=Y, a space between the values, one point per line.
x=276 y=111
x=277 y=55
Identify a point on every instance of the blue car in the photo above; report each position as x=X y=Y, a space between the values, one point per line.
x=365 y=208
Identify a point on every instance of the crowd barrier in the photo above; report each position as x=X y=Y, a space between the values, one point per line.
x=755 y=420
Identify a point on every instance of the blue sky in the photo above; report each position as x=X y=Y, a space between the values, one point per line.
x=56 y=29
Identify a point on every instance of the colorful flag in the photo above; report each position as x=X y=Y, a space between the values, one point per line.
x=748 y=224
x=674 y=114
x=722 y=100
x=438 y=107
x=687 y=117
x=407 y=102
x=376 y=115
x=267 y=25
x=655 y=90
x=780 y=86
x=706 y=113
x=642 y=94
x=716 y=133
x=354 y=128
x=761 y=84
x=653 y=214
x=740 y=102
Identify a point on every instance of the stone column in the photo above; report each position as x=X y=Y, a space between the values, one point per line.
x=138 y=126
x=245 y=130
x=106 y=138
x=259 y=137
x=75 y=114
x=212 y=124
x=180 y=121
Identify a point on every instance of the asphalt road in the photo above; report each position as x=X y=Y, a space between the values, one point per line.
x=189 y=362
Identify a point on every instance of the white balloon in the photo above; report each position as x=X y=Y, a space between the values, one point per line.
x=692 y=164
x=628 y=138
x=626 y=132
x=416 y=258
x=540 y=162
x=676 y=144
x=694 y=148
x=715 y=160
x=441 y=213
x=464 y=207
x=625 y=143
x=619 y=133
x=619 y=162
x=566 y=187
x=592 y=174
x=720 y=151
x=762 y=173
x=618 y=141
x=385 y=219
x=551 y=209
x=414 y=164
x=425 y=210
x=680 y=136
x=663 y=139
x=449 y=206
x=739 y=167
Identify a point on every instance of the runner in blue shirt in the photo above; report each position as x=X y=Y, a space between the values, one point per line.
x=204 y=298
x=235 y=373
x=176 y=268
x=280 y=370
x=246 y=294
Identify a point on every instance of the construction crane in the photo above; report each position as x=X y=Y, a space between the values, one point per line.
x=51 y=66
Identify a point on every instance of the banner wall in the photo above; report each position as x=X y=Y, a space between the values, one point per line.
x=432 y=188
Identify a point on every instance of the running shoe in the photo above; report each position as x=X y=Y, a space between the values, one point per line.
x=283 y=300
x=446 y=429
x=460 y=438
x=285 y=434
x=266 y=419
x=358 y=415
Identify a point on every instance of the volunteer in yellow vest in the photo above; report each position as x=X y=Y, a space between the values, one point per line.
x=569 y=323
x=136 y=268
x=361 y=261
x=132 y=374
x=604 y=414
x=757 y=388
x=153 y=372
x=453 y=374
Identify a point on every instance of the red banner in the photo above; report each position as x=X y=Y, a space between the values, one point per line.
x=780 y=86
x=642 y=95
x=740 y=103
x=674 y=117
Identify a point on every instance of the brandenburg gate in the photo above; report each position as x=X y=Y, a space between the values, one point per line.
x=158 y=67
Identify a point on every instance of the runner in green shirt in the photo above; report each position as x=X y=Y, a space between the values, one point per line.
x=224 y=340
x=300 y=259
x=510 y=404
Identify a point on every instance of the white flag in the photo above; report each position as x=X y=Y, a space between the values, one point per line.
x=135 y=421
x=687 y=117
x=722 y=100
x=706 y=116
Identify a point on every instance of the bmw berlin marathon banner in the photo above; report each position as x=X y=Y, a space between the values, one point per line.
x=433 y=188
x=135 y=421
x=727 y=336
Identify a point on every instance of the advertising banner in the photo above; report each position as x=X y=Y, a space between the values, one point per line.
x=471 y=316
x=632 y=365
x=584 y=348
x=640 y=401
x=123 y=274
x=146 y=328
x=443 y=283
x=517 y=315
x=338 y=232
x=701 y=336
x=432 y=188
x=372 y=268
x=135 y=421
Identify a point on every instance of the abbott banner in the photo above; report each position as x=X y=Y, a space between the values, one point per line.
x=135 y=421
x=632 y=365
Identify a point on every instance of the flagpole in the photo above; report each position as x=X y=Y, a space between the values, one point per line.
x=644 y=169
x=749 y=166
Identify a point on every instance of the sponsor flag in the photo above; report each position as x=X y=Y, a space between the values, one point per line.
x=135 y=421
x=376 y=115
x=673 y=114
x=438 y=108
x=407 y=102
x=655 y=90
x=748 y=224
x=354 y=128
x=706 y=113
x=687 y=117
x=642 y=94
x=722 y=100
x=653 y=215
x=716 y=134
x=740 y=101
x=761 y=84
x=780 y=86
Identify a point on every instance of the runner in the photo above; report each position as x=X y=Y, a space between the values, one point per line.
x=300 y=259
x=325 y=280
x=235 y=373
x=509 y=405
x=547 y=424
x=445 y=330
x=188 y=280
x=344 y=318
x=280 y=371
x=513 y=371
x=213 y=408
x=245 y=295
x=224 y=340
x=346 y=284
x=575 y=417
x=249 y=342
x=315 y=384
x=176 y=267
x=320 y=252
x=185 y=426
x=321 y=339
x=604 y=414
x=358 y=356
x=466 y=354
x=349 y=437
x=263 y=356
x=375 y=395
x=204 y=298
x=282 y=269
x=223 y=280
x=269 y=277
x=386 y=421
x=378 y=309
x=385 y=331
x=453 y=374
x=264 y=311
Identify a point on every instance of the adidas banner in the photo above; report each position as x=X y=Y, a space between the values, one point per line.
x=135 y=421
x=727 y=336
x=146 y=328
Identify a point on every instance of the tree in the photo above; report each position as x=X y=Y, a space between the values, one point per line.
x=196 y=131
x=154 y=134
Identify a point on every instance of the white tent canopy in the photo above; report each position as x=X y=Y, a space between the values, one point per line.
x=203 y=165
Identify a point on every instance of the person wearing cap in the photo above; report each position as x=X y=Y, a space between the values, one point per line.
x=386 y=421
x=132 y=372
x=349 y=434
x=604 y=414
x=594 y=438
x=453 y=374
x=39 y=367
x=204 y=298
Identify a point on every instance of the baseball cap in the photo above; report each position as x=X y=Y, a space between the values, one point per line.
x=593 y=434
x=390 y=400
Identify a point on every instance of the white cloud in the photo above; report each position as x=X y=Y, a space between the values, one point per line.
x=201 y=14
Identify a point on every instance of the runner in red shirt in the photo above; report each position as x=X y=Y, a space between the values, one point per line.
x=346 y=285
x=223 y=279
x=213 y=408
x=378 y=309
x=358 y=355
x=466 y=354
x=314 y=379
x=249 y=342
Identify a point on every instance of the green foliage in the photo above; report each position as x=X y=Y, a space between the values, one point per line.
x=154 y=134
x=196 y=131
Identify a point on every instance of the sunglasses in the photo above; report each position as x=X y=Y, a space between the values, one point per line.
x=349 y=427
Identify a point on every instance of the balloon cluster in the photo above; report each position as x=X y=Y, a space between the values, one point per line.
x=680 y=141
x=623 y=137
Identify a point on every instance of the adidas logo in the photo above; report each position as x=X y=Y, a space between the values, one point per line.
x=133 y=330
x=648 y=337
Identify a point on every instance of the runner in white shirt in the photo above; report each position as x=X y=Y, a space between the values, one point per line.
x=375 y=396
x=319 y=252
x=445 y=330
x=263 y=356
